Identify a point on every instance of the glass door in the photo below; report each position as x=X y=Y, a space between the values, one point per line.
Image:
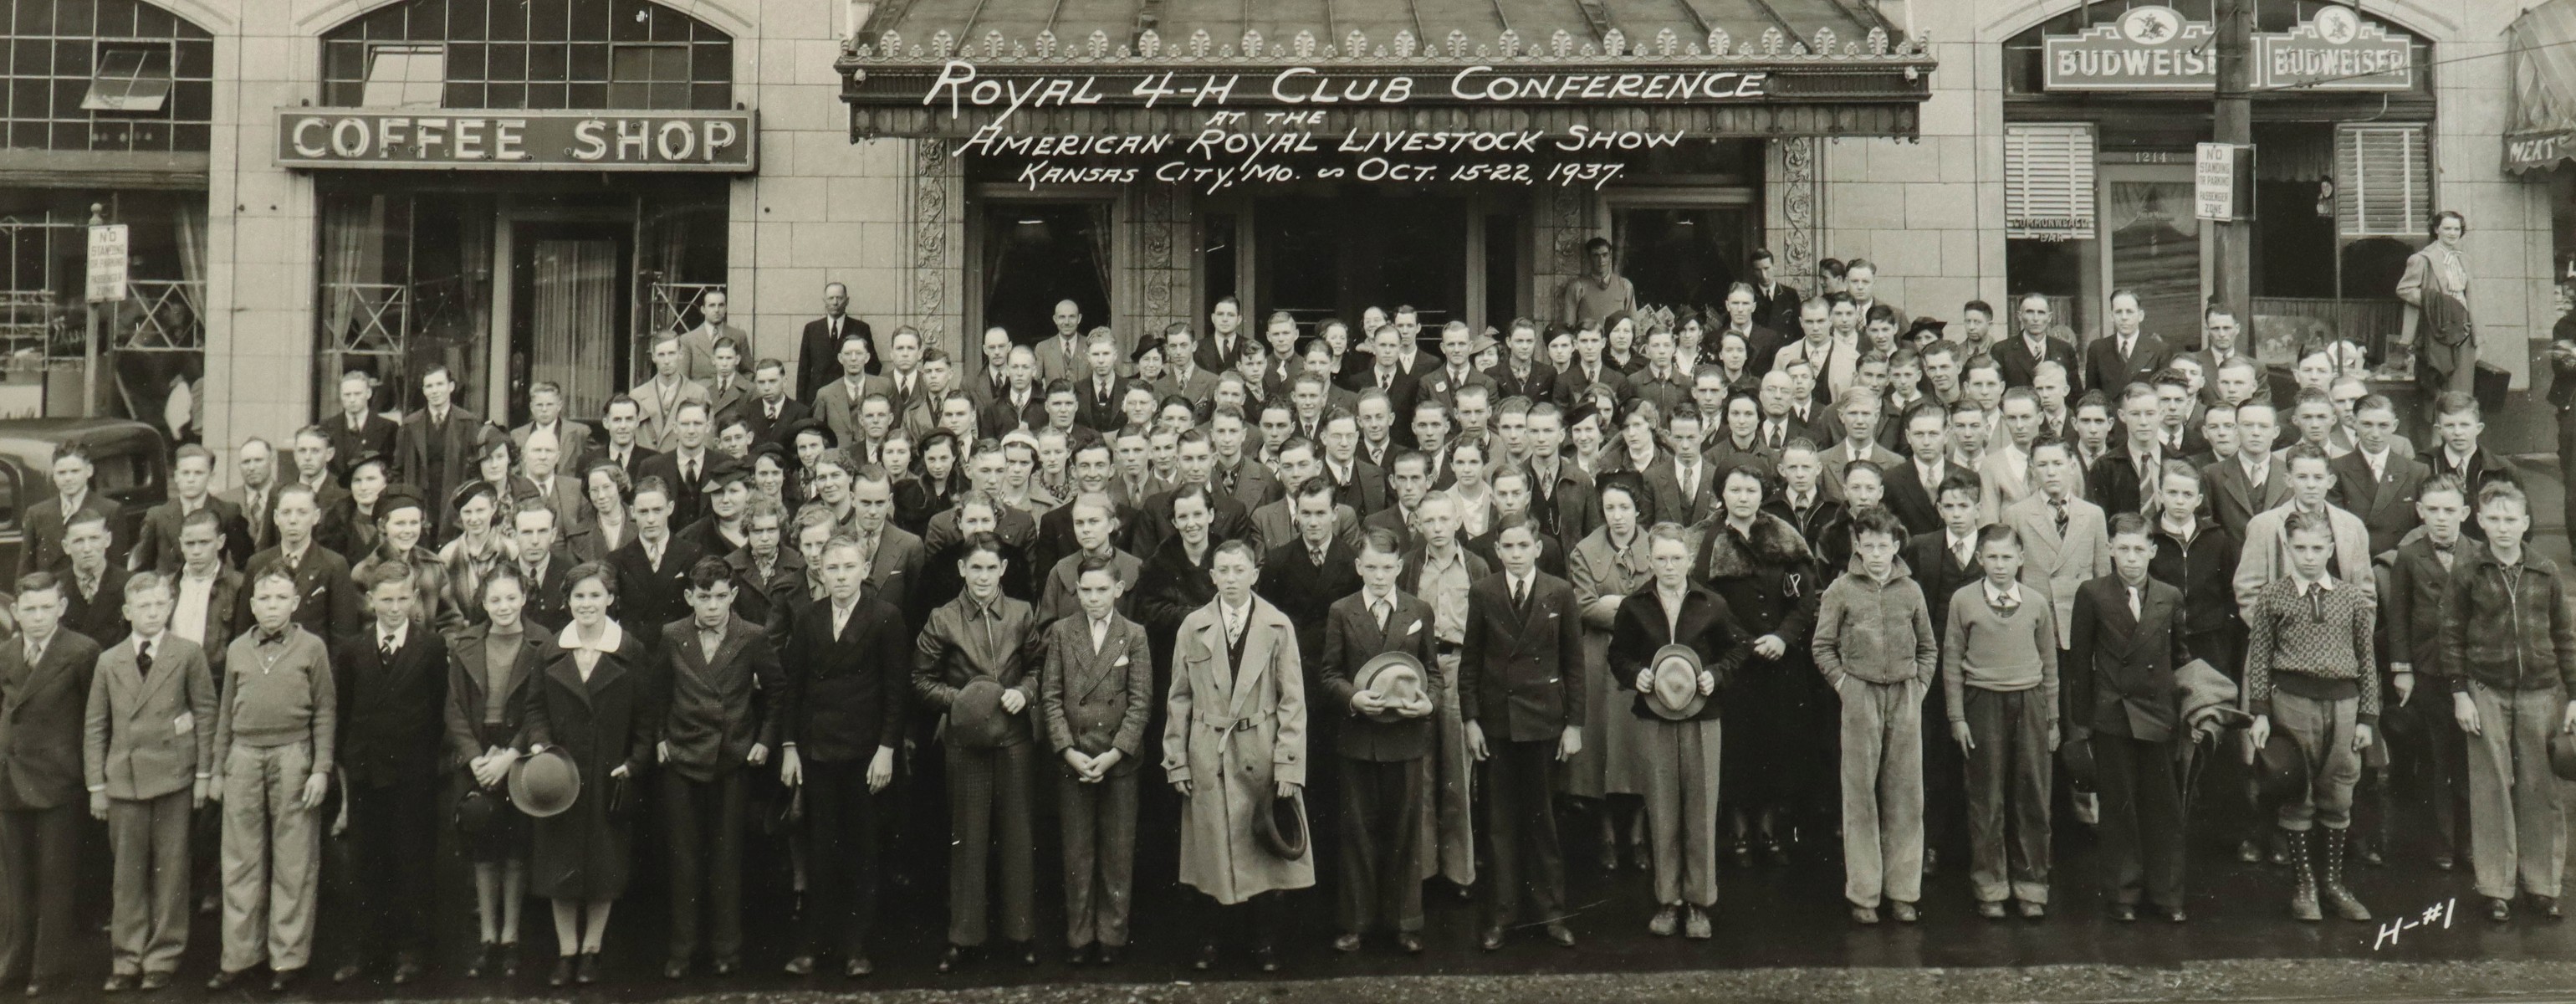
x=569 y=306
x=1338 y=255
x=2156 y=247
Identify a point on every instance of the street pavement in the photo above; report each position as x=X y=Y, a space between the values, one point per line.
x=1783 y=933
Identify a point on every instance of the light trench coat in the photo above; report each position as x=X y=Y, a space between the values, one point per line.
x=1234 y=733
x=1613 y=761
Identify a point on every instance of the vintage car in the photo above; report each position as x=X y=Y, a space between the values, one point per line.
x=133 y=472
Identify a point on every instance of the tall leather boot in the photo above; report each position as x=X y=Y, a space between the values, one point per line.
x=2345 y=905
x=2303 y=897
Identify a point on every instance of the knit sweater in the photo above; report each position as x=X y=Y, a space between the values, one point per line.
x=1876 y=630
x=2317 y=649
x=279 y=695
x=1989 y=650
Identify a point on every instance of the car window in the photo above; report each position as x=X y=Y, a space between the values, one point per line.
x=8 y=497
x=121 y=476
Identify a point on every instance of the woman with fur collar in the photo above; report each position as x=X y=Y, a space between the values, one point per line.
x=1768 y=576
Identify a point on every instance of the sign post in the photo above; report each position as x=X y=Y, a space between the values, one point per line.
x=107 y=259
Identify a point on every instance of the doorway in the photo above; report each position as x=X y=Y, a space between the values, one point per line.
x=569 y=296
x=1319 y=257
x=2156 y=245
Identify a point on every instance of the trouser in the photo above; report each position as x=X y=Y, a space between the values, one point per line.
x=2567 y=460
x=1682 y=760
x=2229 y=777
x=2436 y=764
x=394 y=835
x=1944 y=775
x=1099 y=820
x=2514 y=825
x=1381 y=835
x=1882 y=784
x=844 y=863
x=149 y=838
x=1522 y=823
x=39 y=873
x=271 y=857
x=988 y=818
x=2323 y=731
x=2141 y=828
x=1256 y=921
x=2007 y=794
x=702 y=824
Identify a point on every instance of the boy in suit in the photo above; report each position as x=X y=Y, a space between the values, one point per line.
x=2419 y=585
x=710 y=731
x=848 y=657
x=2064 y=538
x=1095 y=523
x=45 y=677
x=2121 y=701
x=157 y=546
x=48 y=521
x=276 y=731
x=1096 y=692
x=653 y=569
x=391 y=682
x=1384 y=782
x=1942 y=561
x=1521 y=680
x=150 y=741
x=93 y=588
x=325 y=604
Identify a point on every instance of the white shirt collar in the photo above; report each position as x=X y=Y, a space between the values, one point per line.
x=2010 y=594
x=609 y=640
x=400 y=634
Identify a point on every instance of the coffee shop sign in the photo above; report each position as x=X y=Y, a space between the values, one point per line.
x=2155 y=48
x=523 y=140
x=960 y=86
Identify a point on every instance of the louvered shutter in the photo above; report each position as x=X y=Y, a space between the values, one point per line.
x=2384 y=181
x=2048 y=181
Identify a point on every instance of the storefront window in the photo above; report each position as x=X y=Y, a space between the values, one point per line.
x=520 y=54
x=104 y=75
x=151 y=343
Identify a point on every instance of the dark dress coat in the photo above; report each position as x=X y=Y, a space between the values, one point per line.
x=2120 y=680
x=1770 y=582
x=393 y=713
x=1639 y=630
x=587 y=851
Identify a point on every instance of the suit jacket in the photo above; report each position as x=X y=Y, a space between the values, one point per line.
x=649 y=595
x=2418 y=590
x=839 y=410
x=1366 y=491
x=1838 y=458
x=1275 y=525
x=469 y=680
x=2061 y=563
x=1521 y=676
x=1939 y=571
x=1097 y=700
x=257 y=532
x=1149 y=525
x=2265 y=554
x=1250 y=482
x=847 y=692
x=1056 y=363
x=1571 y=383
x=2113 y=482
x=1292 y=581
x=150 y=734
x=654 y=427
x=818 y=357
x=2121 y=682
x=1539 y=385
x=45 y=522
x=2106 y=371
x=1352 y=637
x=1570 y=510
x=2014 y=360
x=156 y=544
x=1403 y=392
x=997 y=418
x=1442 y=386
x=44 y=711
x=1101 y=414
x=763 y=430
x=373 y=437
x=328 y=606
x=392 y=714
x=1663 y=481
x=688 y=498
x=724 y=400
x=1911 y=500
x=1200 y=386
x=2386 y=503
x=700 y=344
x=100 y=614
x=464 y=429
x=2235 y=500
x=573 y=443
x=709 y=720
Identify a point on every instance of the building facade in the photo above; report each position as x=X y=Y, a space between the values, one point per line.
x=525 y=191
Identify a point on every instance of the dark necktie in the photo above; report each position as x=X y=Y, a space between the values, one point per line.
x=143 y=659
x=385 y=644
x=2060 y=504
x=1520 y=597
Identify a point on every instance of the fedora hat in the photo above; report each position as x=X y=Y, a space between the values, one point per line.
x=2562 y=755
x=1395 y=677
x=545 y=784
x=975 y=718
x=1281 y=828
x=2280 y=769
x=1675 y=694
x=2078 y=757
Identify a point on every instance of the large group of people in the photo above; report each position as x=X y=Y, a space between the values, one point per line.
x=1240 y=610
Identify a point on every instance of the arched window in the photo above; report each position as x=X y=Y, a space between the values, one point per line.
x=527 y=54
x=104 y=75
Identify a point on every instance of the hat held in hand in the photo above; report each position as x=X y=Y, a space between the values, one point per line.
x=1396 y=678
x=1674 y=693
x=546 y=783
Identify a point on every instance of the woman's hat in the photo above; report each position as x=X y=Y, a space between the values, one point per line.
x=1281 y=828
x=804 y=425
x=1394 y=676
x=545 y=784
x=1674 y=694
x=1925 y=326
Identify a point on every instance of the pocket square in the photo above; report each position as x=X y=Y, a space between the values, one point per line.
x=1414 y=628
x=1122 y=660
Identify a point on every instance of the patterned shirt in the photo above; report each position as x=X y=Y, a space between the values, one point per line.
x=2312 y=639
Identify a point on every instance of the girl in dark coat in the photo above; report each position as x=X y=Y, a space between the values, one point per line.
x=1175 y=579
x=1764 y=571
x=488 y=669
x=592 y=702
